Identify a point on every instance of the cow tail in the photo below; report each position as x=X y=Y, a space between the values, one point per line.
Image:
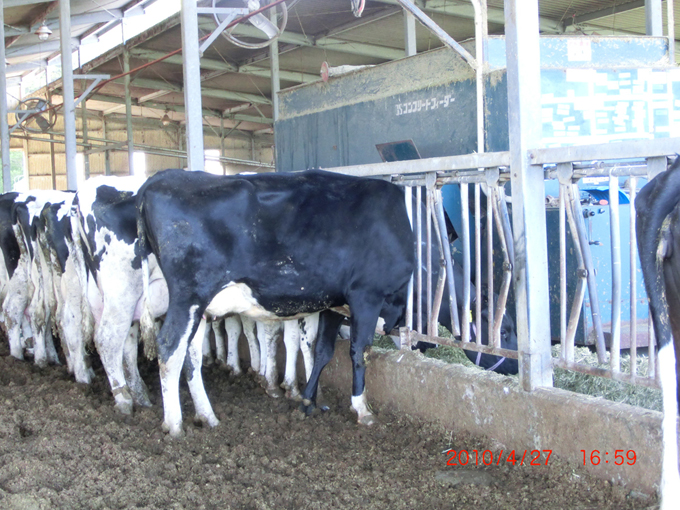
x=148 y=327
x=75 y=246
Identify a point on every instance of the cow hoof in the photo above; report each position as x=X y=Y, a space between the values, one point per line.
x=143 y=401
x=294 y=394
x=284 y=385
x=207 y=361
x=368 y=420
x=175 y=433
x=210 y=421
x=308 y=409
x=124 y=407
x=306 y=402
x=83 y=378
x=274 y=392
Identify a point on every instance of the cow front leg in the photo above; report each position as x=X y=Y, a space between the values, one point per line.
x=232 y=326
x=329 y=323
x=291 y=339
x=253 y=344
x=192 y=372
x=207 y=351
x=267 y=334
x=220 y=352
x=309 y=328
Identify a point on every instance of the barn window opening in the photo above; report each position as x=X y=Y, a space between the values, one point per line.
x=139 y=163
x=17 y=168
x=212 y=162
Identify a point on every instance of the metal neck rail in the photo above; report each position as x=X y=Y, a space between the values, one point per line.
x=490 y=172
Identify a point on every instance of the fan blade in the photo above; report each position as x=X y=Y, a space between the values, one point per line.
x=43 y=123
x=261 y=22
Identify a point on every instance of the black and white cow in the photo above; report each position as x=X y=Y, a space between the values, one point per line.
x=658 y=237
x=70 y=312
x=111 y=276
x=273 y=246
x=30 y=291
x=9 y=247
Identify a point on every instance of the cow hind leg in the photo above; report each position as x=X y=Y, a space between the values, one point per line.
x=670 y=478
x=364 y=319
x=109 y=339
x=329 y=324
x=140 y=394
x=253 y=344
x=291 y=339
x=50 y=349
x=192 y=371
x=14 y=329
x=173 y=340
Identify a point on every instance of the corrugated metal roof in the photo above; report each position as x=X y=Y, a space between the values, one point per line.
x=236 y=81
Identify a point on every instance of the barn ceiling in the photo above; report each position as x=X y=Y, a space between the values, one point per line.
x=236 y=81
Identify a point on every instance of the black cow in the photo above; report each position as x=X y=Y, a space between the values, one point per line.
x=274 y=246
x=658 y=236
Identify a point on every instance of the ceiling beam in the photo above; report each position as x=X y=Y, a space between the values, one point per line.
x=384 y=13
x=18 y=3
x=87 y=18
x=208 y=92
x=603 y=13
x=23 y=50
x=206 y=112
x=218 y=65
x=206 y=63
x=494 y=14
x=133 y=42
x=329 y=43
x=37 y=18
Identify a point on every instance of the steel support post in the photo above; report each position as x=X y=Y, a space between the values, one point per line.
x=86 y=156
x=410 y=33
x=653 y=18
x=107 y=154
x=69 y=109
x=224 y=167
x=192 y=86
x=274 y=62
x=4 y=126
x=530 y=273
x=670 y=21
x=53 y=159
x=128 y=113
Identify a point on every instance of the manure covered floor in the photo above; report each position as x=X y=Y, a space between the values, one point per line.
x=63 y=446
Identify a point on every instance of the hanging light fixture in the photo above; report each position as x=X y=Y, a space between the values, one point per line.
x=166 y=120
x=43 y=32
